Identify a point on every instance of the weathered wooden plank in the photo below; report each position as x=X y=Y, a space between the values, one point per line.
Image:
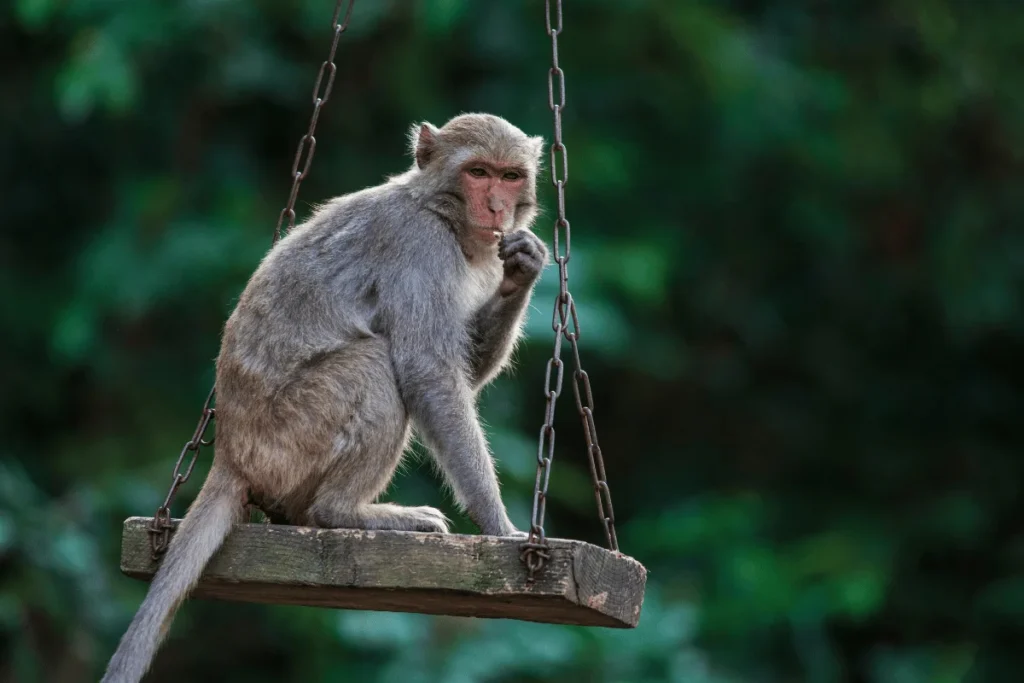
x=396 y=571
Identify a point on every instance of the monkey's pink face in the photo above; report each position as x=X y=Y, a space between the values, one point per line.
x=492 y=193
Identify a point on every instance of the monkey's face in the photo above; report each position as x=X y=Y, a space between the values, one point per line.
x=492 y=191
x=481 y=174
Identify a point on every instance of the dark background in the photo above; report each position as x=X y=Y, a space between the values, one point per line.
x=798 y=257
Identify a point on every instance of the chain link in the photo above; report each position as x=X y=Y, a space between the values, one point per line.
x=565 y=324
x=307 y=145
x=160 y=527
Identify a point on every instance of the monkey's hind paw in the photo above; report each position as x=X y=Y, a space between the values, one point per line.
x=427 y=519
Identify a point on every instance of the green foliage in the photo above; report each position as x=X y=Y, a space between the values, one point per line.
x=798 y=262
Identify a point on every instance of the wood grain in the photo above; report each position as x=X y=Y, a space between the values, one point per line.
x=397 y=571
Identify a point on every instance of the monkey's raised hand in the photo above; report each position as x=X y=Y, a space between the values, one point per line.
x=524 y=256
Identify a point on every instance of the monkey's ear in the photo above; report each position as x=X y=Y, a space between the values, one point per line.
x=424 y=143
x=537 y=144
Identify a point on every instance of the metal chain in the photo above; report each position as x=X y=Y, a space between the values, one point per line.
x=160 y=527
x=565 y=324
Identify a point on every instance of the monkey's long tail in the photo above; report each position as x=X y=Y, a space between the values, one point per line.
x=201 y=533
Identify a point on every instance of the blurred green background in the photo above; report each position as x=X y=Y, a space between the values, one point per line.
x=799 y=262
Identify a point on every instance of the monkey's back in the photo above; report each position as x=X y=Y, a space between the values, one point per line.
x=313 y=292
x=304 y=377
x=340 y=284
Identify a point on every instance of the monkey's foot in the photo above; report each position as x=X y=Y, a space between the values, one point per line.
x=425 y=518
x=383 y=517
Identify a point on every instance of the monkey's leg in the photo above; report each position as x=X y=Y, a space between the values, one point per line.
x=344 y=499
x=336 y=513
x=367 y=446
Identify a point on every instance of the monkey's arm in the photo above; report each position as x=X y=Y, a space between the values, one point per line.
x=435 y=389
x=494 y=333
x=496 y=326
x=418 y=313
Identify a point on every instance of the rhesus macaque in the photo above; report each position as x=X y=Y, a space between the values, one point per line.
x=388 y=309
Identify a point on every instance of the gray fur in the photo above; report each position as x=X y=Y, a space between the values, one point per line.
x=215 y=510
x=378 y=314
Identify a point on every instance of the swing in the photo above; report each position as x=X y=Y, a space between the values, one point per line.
x=540 y=579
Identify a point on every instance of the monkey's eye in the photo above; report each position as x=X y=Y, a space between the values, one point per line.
x=511 y=175
x=477 y=172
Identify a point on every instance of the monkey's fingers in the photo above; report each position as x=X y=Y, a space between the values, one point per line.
x=519 y=237
x=527 y=245
x=522 y=267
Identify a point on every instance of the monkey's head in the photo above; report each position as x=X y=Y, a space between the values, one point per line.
x=480 y=173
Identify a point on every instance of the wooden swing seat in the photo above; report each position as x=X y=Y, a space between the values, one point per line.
x=396 y=571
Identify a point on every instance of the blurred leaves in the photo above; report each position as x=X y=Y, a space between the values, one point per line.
x=34 y=14
x=97 y=75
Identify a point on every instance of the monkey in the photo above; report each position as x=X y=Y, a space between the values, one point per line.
x=383 y=314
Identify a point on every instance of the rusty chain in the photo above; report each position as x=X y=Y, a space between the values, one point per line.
x=160 y=527
x=565 y=324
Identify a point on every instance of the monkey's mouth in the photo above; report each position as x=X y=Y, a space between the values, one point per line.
x=488 y=235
